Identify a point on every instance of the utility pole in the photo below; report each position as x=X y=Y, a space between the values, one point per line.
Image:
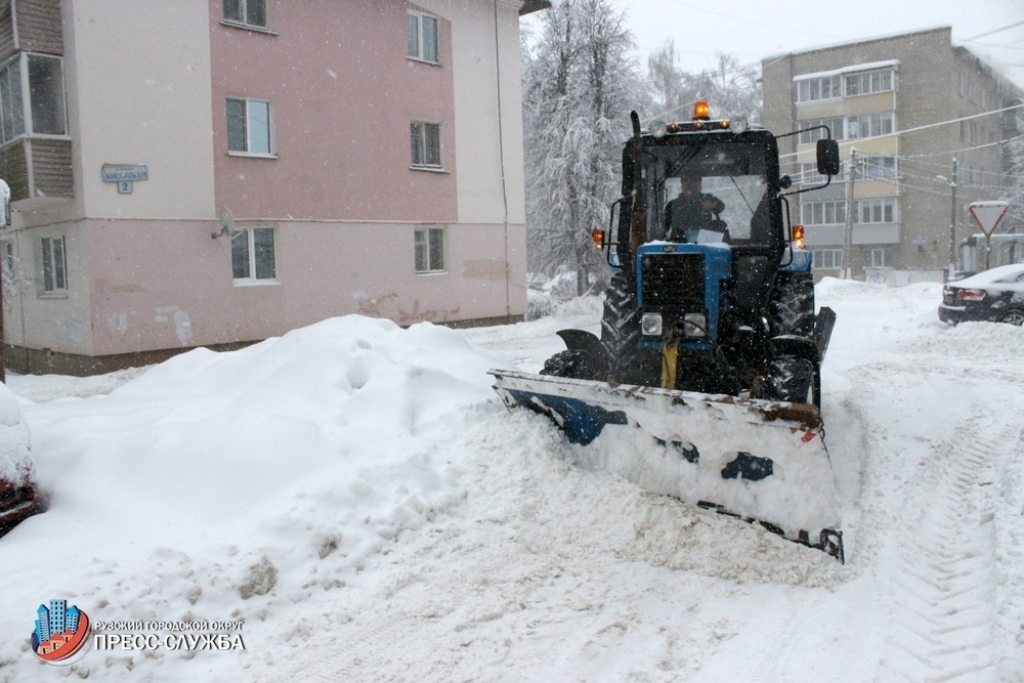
x=851 y=170
x=952 y=223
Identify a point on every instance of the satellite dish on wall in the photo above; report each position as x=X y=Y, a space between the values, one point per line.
x=227 y=224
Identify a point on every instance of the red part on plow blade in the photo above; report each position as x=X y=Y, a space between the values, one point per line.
x=761 y=461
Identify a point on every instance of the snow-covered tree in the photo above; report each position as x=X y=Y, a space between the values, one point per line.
x=1014 y=152
x=731 y=89
x=579 y=86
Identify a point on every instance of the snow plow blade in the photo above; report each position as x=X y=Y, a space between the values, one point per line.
x=761 y=461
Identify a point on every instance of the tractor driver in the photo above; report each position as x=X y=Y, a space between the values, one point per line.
x=693 y=211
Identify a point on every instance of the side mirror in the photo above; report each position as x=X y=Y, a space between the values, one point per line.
x=828 y=157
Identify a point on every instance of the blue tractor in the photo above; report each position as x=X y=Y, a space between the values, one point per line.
x=705 y=381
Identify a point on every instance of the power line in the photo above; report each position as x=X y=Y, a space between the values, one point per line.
x=927 y=126
x=995 y=30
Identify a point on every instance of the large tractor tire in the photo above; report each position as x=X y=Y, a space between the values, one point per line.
x=792 y=305
x=794 y=379
x=620 y=321
x=620 y=335
x=790 y=377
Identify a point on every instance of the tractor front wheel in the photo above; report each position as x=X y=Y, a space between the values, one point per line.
x=794 y=379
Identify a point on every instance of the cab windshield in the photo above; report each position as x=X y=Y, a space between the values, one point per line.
x=713 y=190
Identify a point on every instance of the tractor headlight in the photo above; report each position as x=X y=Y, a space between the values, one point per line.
x=695 y=325
x=651 y=325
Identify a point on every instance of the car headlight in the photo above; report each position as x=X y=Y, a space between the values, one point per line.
x=651 y=324
x=695 y=325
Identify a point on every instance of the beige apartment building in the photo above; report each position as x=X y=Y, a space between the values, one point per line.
x=921 y=124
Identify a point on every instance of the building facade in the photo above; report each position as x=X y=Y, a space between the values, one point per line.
x=920 y=124
x=217 y=172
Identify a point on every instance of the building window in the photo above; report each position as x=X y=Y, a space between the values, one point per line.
x=876 y=167
x=819 y=88
x=250 y=126
x=42 y=112
x=835 y=125
x=870 y=81
x=423 y=42
x=246 y=12
x=426 y=144
x=429 y=250
x=55 y=265
x=871 y=125
x=828 y=258
x=823 y=213
x=878 y=257
x=880 y=210
x=252 y=255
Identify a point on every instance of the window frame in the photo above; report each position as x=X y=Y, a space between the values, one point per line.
x=251 y=255
x=877 y=167
x=17 y=72
x=811 y=211
x=876 y=208
x=244 y=14
x=50 y=255
x=877 y=257
x=835 y=124
x=870 y=82
x=814 y=89
x=836 y=258
x=426 y=250
x=247 y=129
x=417 y=38
x=419 y=145
x=878 y=124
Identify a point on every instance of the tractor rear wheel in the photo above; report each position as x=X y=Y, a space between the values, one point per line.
x=792 y=304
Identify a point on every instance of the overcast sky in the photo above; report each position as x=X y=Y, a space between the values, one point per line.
x=992 y=29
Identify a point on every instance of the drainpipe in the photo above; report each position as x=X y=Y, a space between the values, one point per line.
x=504 y=180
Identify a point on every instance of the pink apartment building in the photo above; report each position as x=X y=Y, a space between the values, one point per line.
x=216 y=172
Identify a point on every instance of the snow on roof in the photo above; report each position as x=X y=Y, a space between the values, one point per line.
x=870 y=39
x=868 y=66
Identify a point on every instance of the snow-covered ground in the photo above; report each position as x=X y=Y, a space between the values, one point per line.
x=356 y=496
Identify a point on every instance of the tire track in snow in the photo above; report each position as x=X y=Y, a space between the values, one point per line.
x=1010 y=548
x=944 y=584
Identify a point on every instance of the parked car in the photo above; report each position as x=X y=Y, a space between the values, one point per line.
x=17 y=470
x=995 y=295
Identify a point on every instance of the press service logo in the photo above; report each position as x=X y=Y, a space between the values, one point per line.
x=60 y=632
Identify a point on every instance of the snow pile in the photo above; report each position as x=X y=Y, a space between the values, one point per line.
x=359 y=498
x=222 y=476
